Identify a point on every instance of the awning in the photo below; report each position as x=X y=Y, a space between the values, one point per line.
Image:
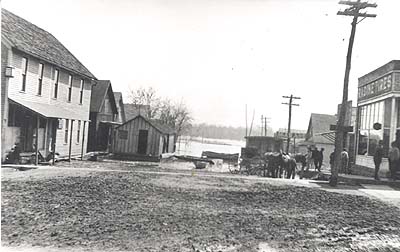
x=330 y=135
x=50 y=111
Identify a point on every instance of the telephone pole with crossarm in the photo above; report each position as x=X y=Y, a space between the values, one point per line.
x=291 y=97
x=354 y=8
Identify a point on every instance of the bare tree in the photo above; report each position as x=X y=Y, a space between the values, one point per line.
x=146 y=97
x=174 y=114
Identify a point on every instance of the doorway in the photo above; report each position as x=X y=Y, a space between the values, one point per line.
x=142 y=143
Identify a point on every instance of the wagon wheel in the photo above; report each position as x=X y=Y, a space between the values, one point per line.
x=234 y=169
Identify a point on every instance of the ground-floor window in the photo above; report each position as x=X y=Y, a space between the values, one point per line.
x=78 y=135
x=370 y=137
x=16 y=115
x=66 y=131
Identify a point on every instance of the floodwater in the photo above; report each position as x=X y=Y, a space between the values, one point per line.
x=195 y=146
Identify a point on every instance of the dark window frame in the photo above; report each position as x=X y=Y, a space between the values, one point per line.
x=70 y=81
x=24 y=72
x=66 y=130
x=56 y=79
x=40 y=79
x=81 y=91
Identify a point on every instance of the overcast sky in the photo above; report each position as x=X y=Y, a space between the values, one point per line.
x=219 y=56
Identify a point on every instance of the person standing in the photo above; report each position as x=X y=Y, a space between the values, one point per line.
x=309 y=158
x=394 y=156
x=314 y=156
x=320 y=158
x=378 y=159
x=344 y=158
x=332 y=159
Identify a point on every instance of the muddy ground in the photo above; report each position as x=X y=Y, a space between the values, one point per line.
x=115 y=207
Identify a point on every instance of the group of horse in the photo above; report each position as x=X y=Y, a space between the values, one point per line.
x=280 y=164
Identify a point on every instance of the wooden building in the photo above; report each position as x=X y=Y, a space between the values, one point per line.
x=143 y=137
x=45 y=91
x=378 y=104
x=103 y=116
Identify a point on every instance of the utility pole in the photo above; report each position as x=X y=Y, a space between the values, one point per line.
x=265 y=125
x=291 y=97
x=353 y=10
x=262 y=126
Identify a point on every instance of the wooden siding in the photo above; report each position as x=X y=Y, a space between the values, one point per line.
x=130 y=144
x=31 y=95
x=31 y=91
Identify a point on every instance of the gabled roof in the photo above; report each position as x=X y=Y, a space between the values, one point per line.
x=319 y=123
x=133 y=110
x=30 y=39
x=163 y=128
x=100 y=90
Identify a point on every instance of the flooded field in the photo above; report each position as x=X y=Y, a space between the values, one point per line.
x=195 y=146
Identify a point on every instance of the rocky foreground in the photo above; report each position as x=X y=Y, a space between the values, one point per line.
x=130 y=211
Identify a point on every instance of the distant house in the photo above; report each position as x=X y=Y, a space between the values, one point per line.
x=263 y=144
x=45 y=89
x=120 y=106
x=319 y=124
x=103 y=116
x=296 y=136
x=133 y=110
x=140 y=137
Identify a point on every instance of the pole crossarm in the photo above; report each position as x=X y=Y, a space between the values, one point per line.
x=359 y=4
x=355 y=13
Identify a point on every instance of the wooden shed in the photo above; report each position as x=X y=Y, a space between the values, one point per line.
x=140 y=137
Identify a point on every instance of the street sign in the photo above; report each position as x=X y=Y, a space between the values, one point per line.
x=345 y=128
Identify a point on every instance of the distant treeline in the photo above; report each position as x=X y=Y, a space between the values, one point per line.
x=223 y=132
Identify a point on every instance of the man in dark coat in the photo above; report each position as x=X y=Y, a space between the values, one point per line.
x=378 y=159
x=315 y=157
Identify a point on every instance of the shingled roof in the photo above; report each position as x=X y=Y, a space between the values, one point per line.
x=30 y=39
x=99 y=93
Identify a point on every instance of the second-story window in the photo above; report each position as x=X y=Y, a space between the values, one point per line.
x=69 y=88
x=81 y=91
x=40 y=84
x=24 y=71
x=56 y=77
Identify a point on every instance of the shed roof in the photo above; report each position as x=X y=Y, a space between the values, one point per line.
x=133 y=110
x=163 y=128
x=100 y=90
x=39 y=43
x=55 y=111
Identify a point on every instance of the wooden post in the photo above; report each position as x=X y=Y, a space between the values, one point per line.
x=83 y=139
x=70 y=141
x=37 y=140
x=54 y=138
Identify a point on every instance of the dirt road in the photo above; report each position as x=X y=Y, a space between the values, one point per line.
x=131 y=210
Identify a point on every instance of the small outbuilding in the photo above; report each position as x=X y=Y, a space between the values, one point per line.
x=141 y=137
